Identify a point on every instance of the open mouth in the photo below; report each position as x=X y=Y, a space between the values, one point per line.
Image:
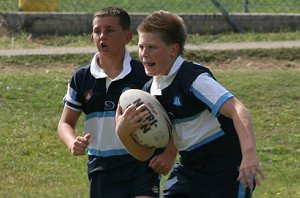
x=148 y=64
x=103 y=47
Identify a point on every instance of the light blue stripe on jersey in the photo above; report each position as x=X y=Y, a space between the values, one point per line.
x=211 y=92
x=214 y=107
x=100 y=114
x=72 y=93
x=202 y=97
x=243 y=190
x=107 y=153
x=71 y=97
x=220 y=102
x=206 y=140
x=197 y=130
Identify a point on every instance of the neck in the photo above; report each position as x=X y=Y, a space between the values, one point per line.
x=111 y=66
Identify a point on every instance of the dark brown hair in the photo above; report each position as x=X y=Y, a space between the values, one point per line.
x=124 y=18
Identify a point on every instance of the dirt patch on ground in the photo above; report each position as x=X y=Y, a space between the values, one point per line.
x=239 y=64
x=65 y=68
x=253 y=64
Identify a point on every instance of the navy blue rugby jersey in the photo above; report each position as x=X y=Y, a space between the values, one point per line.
x=92 y=92
x=192 y=97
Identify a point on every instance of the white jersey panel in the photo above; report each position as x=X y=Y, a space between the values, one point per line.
x=196 y=131
x=104 y=141
x=212 y=93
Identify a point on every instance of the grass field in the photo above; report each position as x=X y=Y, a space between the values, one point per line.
x=34 y=163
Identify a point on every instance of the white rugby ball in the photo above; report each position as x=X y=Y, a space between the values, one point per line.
x=157 y=134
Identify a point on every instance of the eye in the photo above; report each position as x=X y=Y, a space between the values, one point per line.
x=110 y=30
x=152 y=47
x=97 y=31
x=141 y=47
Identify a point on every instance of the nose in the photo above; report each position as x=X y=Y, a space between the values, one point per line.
x=101 y=35
x=143 y=51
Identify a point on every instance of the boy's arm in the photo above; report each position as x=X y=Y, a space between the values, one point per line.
x=66 y=132
x=163 y=162
x=250 y=166
x=126 y=124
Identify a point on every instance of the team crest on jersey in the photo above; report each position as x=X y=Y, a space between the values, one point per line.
x=88 y=94
x=177 y=101
x=109 y=105
x=155 y=189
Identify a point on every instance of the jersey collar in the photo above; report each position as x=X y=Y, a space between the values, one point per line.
x=98 y=72
x=161 y=82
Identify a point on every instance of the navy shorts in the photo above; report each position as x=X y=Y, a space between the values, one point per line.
x=188 y=183
x=125 y=182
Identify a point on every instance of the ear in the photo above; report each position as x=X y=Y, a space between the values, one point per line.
x=128 y=37
x=92 y=36
x=175 y=49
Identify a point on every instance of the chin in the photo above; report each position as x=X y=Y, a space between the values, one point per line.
x=150 y=72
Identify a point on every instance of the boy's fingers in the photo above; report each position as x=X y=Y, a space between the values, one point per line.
x=87 y=136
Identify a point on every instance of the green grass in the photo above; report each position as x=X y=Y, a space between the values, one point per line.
x=273 y=99
x=187 y=6
x=34 y=162
x=290 y=54
x=17 y=41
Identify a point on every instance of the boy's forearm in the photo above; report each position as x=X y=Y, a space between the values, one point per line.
x=138 y=151
x=67 y=134
x=245 y=131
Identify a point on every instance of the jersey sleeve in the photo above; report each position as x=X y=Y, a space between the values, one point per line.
x=209 y=91
x=73 y=97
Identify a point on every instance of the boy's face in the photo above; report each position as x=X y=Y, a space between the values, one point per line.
x=109 y=36
x=156 y=55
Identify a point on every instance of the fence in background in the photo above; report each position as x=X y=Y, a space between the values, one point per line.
x=146 y=6
x=201 y=16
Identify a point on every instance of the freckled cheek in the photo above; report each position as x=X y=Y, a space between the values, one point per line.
x=95 y=38
x=156 y=56
x=140 y=55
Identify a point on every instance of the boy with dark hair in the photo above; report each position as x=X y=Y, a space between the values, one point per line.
x=95 y=90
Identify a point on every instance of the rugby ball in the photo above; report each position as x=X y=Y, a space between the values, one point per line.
x=157 y=133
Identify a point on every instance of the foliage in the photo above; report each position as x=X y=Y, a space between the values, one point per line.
x=187 y=6
x=25 y=40
x=292 y=54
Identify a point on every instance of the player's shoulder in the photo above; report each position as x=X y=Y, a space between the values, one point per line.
x=82 y=70
x=191 y=66
x=138 y=70
x=136 y=64
x=192 y=70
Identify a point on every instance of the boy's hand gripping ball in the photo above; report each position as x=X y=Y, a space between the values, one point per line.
x=157 y=133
